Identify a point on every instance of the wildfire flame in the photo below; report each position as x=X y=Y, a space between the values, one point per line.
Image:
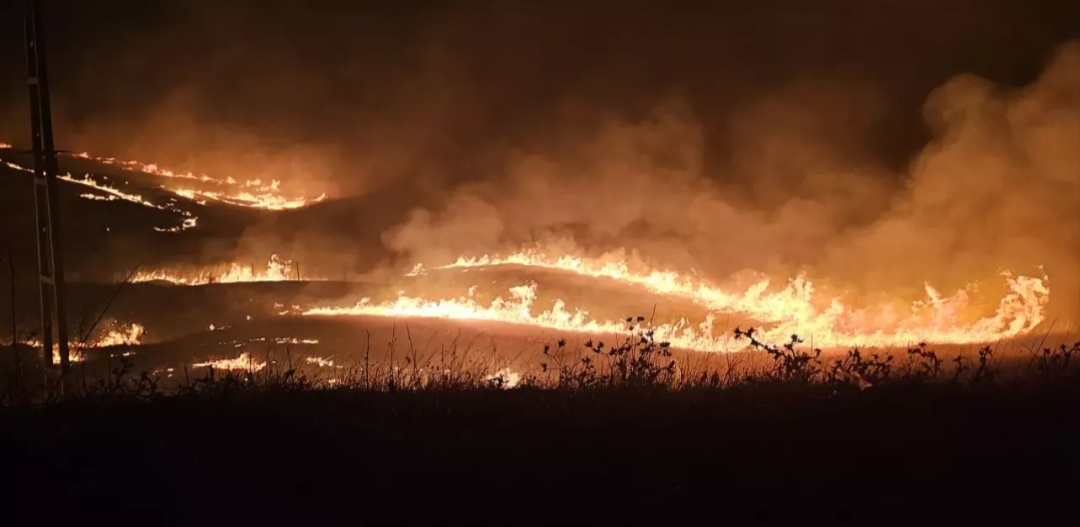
x=792 y=310
x=124 y=335
x=279 y=340
x=245 y=362
x=253 y=193
x=113 y=194
x=506 y=377
x=1020 y=311
x=130 y=335
x=796 y=308
x=320 y=362
x=277 y=269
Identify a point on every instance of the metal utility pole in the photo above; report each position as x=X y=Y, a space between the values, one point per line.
x=46 y=202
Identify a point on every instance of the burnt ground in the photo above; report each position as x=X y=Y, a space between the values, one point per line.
x=524 y=456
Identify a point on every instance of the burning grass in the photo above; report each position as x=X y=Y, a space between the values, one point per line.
x=198 y=189
x=277 y=269
x=797 y=306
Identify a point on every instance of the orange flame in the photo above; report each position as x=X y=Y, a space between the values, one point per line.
x=129 y=335
x=245 y=362
x=792 y=310
x=277 y=269
x=124 y=335
x=113 y=194
x=252 y=193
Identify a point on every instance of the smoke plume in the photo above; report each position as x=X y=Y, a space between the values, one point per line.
x=998 y=187
x=721 y=139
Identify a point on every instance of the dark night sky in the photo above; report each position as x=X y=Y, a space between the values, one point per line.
x=446 y=77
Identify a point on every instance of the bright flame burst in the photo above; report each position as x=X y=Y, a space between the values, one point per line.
x=506 y=378
x=130 y=335
x=245 y=362
x=792 y=310
x=112 y=193
x=124 y=335
x=277 y=269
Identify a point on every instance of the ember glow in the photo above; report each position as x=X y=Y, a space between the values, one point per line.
x=795 y=309
x=1020 y=311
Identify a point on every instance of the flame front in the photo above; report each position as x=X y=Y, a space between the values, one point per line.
x=130 y=335
x=245 y=362
x=113 y=194
x=516 y=310
x=124 y=335
x=277 y=269
x=792 y=310
x=252 y=193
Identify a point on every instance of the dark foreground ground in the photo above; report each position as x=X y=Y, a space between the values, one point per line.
x=527 y=455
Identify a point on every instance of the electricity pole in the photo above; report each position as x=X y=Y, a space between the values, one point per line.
x=46 y=202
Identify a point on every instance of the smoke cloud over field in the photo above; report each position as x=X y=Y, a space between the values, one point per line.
x=998 y=187
x=820 y=138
